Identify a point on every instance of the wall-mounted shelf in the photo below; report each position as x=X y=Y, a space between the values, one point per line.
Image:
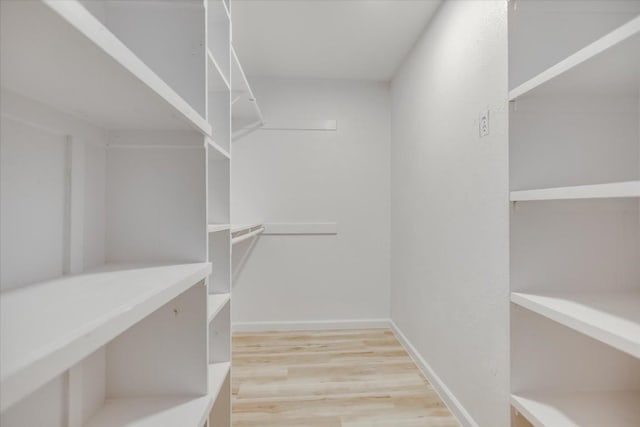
x=98 y=78
x=250 y=233
x=215 y=303
x=597 y=191
x=217 y=80
x=612 y=318
x=79 y=314
x=239 y=228
x=580 y=409
x=608 y=65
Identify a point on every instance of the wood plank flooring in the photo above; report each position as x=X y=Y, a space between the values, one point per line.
x=341 y=378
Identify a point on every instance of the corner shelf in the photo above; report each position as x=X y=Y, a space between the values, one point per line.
x=610 y=64
x=597 y=191
x=612 y=318
x=79 y=314
x=96 y=67
x=579 y=409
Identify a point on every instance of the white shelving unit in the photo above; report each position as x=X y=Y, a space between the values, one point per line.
x=597 y=191
x=115 y=295
x=575 y=231
x=583 y=409
x=247 y=115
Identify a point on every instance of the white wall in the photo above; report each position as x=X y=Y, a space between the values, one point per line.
x=449 y=206
x=315 y=176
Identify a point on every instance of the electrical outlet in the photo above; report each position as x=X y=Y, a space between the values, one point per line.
x=484 y=124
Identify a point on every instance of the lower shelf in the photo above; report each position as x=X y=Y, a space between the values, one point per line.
x=580 y=409
x=162 y=411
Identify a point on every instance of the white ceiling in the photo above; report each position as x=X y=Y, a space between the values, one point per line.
x=341 y=39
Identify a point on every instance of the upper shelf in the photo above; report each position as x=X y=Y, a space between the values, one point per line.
x=597 y=191
x=612 y=318
x=245 y=111
x=609 y=65
x=59 y=54
x=49 y=326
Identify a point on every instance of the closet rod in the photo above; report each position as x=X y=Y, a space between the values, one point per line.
x=246 y=236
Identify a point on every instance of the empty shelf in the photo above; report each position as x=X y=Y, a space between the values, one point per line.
x=608 y=65
x=612 y=318
x=597 y=191
x=215 y=303
x=214 y=228
x=239 y=228
x=580 y=409
x=47 y=327
x=97 y=78
x=162 y=411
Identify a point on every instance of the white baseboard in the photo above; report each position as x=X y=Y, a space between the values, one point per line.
x=310 y=325
x=443 y=391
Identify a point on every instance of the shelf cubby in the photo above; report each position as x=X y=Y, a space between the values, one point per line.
x=574 y=147
x=98 y=79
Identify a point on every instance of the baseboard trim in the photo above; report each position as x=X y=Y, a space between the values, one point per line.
x=310 y=325
x=443 y=391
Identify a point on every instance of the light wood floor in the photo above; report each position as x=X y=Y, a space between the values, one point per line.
x=330 y=378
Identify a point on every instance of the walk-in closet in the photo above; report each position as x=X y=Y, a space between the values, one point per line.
x=320 y=213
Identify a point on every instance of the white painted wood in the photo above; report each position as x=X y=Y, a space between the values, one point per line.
x=214 y=228
x=597 y=191
x=215 y=303
x=630 y=30
x=610 y=317
x=152 y=412
x=246 y=114
x=219 y=37
x=100 y=79
x=217 y=374
x=220 y=336
x=75 y=206
x=218 y=191
x=165 y=354
x=220 y=258
x=82 y=313
x=300 y=125
x=301 y=228
x=166 y=187
x=247 y=236
x=177 y=26
x=239 y=228
x=579 y=409
x=216 y=151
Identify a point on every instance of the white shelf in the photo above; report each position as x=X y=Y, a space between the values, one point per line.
x=612 y=317
x=214 y=228
x=47 y=327
x=246 y=113
x=239 y=228
x=152 y=412
x=218 y=152
x=97 y=78
x=597 y=191
x=162 y=411
x=580 y=409
x=610 y=64
x=215 y=303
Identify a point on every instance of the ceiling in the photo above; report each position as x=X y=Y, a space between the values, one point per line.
x=333 y=39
